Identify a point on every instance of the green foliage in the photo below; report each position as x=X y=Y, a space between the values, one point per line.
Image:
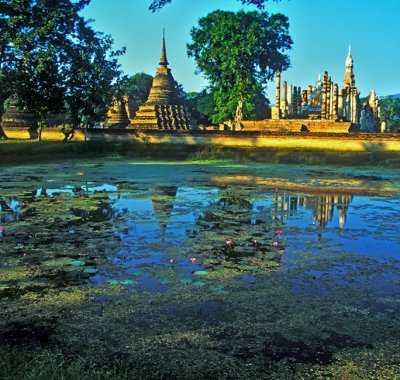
x=51 y=60
x=201 y=106
x=239 y=53
x=135 y=87
x=390 y=112
x=156 y=5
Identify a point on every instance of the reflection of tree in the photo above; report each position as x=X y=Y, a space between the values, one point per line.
x=322 y=206
x=234 y=238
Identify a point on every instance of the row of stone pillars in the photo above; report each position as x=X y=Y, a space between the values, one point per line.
x=332 y=103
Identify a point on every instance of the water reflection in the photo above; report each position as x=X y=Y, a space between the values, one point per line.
x=321 y=205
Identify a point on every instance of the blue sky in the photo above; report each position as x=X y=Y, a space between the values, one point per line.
x=321 y=31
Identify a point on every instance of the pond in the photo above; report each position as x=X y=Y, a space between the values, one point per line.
x=204 y=270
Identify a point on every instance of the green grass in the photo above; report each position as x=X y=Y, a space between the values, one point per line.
x=24 y=151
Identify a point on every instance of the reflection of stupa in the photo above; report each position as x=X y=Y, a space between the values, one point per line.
x=163 y=207
x=163 y=109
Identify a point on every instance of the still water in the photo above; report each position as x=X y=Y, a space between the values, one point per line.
x=328 y=235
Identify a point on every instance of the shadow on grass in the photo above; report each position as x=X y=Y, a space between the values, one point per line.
x=35 y=151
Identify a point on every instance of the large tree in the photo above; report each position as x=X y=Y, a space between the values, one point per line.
x=390 y=112
x=52 y=60
x=158 y=4
x=239 y=53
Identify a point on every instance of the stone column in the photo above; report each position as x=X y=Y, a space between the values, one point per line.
x=328 y=98
x=299 y=100
x=340 y=104
x=284 y=100
x=290 y=100
x=335 y=102
x=304 y=98
x=278 y=89
x=276 y=110
x=309 y=92
x=324 y=91
x=294 y=104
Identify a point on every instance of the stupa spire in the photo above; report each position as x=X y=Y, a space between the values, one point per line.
x=163 y=58
x=349 y=80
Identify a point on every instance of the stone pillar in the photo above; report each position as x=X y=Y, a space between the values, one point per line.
x=328 y=98
x=304 y=98
x=290 y=100
x=324 y=91
x=335 y=102
x=340 y=104
x=354 y=108
x=299 y=100
x=276 y=110
x=278 y=89
x=309 y=92
x=284 y=100
x=294 y=104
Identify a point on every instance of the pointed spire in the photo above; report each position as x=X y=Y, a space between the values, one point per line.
x=349 y=50
x=163 y=58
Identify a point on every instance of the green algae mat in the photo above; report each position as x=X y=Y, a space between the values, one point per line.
x=126 y=269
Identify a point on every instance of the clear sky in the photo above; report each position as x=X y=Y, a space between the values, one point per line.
x=321 y=31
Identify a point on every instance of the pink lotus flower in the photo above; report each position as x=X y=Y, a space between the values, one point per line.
x=229 y=242
x=275 y=243
x=278 y=232
x=193 y=260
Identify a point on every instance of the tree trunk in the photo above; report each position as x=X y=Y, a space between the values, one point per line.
x=238 y=115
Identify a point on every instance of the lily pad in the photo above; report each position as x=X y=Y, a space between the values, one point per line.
x=90 y=270
x=126 y=282
x=201 y=273
x=77 y=263
x=186 y=281
x=113 y=282
x=165 y=282
x=199 y=283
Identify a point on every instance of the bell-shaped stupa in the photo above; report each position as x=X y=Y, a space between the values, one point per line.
x=163 y=109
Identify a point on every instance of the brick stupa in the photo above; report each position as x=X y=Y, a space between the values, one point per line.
x=163 y=109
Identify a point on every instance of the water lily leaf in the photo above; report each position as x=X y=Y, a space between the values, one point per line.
x=126 y=282
x=199 y=283
x=113 y=282
x=186 y=281
x=136 y=274
x=201 y=273
x=165 y=282
x=77 y=263
x=217 y=289
x=90 y=270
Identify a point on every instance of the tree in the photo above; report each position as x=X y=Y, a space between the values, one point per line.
x=52 y=61
x=136 y=88
x=239 y=53
x=390 y=112
x=201 y=105
x=156 y=5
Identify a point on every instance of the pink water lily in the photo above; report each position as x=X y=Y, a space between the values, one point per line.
x=275 y=244
x=229 y=242
x=193 y=260
x=278 y=232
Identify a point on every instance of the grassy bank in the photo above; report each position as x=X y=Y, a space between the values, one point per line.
x=34 y=151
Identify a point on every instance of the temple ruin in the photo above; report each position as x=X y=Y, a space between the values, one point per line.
x=163 y=109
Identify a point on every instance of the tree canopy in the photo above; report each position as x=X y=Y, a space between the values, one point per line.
x=390 y=112
x=239 y=53
x=52 y=60
x=156 y=5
